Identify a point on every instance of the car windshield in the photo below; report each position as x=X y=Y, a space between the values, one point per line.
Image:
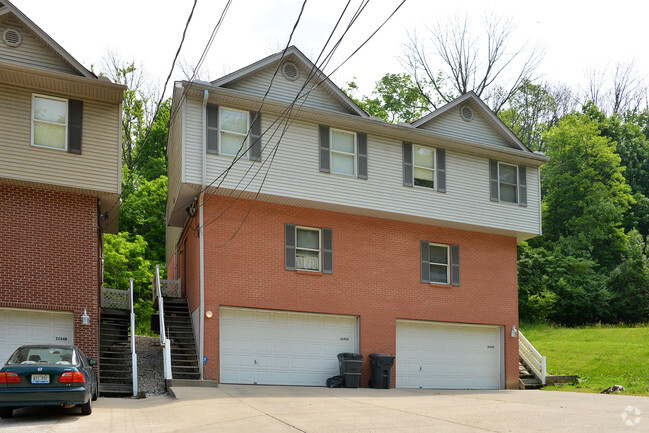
x=43 y=355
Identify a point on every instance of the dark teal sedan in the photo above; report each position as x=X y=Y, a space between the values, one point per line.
x=47 y=376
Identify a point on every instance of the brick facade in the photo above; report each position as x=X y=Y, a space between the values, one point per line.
x=376 y=275
x=49 y=256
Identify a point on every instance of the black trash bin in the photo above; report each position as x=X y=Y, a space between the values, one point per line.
x=381 y=370
x=350 y=368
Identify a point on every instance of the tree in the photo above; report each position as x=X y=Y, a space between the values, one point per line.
x=618 y=91
x=463 y=61
x=396 y=98
x=585 y=192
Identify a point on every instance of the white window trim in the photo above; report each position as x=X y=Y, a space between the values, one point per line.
x=516 y=185
x=319 y=250
x=434 y=170
x=447 y=264
x=53 y=98
x=246 y=145
x=332 y=151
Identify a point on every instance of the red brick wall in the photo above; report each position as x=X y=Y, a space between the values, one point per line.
x=49 y=256
x=376 y=275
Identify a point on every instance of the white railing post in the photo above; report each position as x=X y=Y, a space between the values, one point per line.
x=532 y=358
x=164 y=341
x=544 y=371
x=133 y=354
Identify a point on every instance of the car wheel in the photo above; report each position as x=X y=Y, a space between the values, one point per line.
x=6 y=412
x=86 y=408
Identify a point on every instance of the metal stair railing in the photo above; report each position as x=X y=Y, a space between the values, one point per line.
x=133 y=354
x=164 y=341
x=531 y=358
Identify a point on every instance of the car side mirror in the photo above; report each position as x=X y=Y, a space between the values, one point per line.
x=92 y=361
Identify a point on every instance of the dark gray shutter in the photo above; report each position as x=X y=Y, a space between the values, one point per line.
x=455 y=265
x=361 y=139
x=425 y=262
x=289 y=247
x=441 y=170
x=407 y=163
x=522 y=185
x=493 y=180
x=255 y=136
x=75 y=122
x=327 y=252
x=324 y=149
x=212 y=128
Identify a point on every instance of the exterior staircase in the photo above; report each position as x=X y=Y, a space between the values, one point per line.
x=178 y=324
x=115 y=361
x=526 y=379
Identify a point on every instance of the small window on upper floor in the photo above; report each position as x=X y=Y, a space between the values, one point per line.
x=424 y=166
x=343 y=152
x=57 y=123
x=233 y=132
x=49 y=122
x=508 y=183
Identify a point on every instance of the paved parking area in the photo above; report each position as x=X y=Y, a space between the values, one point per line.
x=270 y=409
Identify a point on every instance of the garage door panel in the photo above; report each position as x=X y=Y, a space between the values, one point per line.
x=447 y=356
x=290 y=348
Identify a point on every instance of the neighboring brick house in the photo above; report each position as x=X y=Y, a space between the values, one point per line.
x=362 y=236
x=60 y=174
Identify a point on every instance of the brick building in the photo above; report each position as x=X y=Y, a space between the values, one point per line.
x=298 y=233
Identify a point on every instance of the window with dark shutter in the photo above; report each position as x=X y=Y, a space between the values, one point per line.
x=407 y=163
x=75 y=122
x=425 y=262
x=212 y=128
x=327 y=251
x=493 y=180
x=255 y=136
x=362 y=155
x=441 y=170
x=289 y=247
x=455 y=265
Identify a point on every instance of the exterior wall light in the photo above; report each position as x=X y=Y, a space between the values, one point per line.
x=514 y=331
x=85 y=319
x=208 y=314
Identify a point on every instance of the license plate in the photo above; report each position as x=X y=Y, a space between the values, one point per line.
x=40 y=378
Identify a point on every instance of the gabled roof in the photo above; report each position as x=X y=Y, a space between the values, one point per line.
x=476 y=102
x=295 y=55
x=7 y=7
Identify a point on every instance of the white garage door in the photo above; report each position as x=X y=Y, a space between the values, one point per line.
x=18 y=327
x=281 y=347
x=448 y=356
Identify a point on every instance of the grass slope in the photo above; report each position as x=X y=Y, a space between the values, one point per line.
x=601 y=355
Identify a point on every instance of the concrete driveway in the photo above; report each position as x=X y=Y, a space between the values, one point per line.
x=271 y=409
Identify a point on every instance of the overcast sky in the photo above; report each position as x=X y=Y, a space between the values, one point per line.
x=576 y=35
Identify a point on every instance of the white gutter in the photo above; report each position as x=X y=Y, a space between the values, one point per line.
x=201 y=312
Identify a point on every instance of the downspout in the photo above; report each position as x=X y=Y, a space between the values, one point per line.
x=201 y=232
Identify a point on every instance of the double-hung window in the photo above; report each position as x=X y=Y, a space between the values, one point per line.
x=343 y=152
x=233 y=132
x=308 y=249
x=49 y=122
x=440 y=263
x=424 y=166
x=508 y=183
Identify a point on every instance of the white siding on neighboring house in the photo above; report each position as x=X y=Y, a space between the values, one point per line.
x=32 y=52
x=286 y=90
x=96 y=169
x=174 y=154
x=451 y=124
x=193 y=139
x=295 y=174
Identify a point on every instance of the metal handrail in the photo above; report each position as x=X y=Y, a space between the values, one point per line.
x=532 y=358
x=164 y=341
x=133 y=354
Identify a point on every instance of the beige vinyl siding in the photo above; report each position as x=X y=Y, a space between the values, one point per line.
x=174 y=156
x=295 y=174
x=193 y=139
x=452 y=125
x=32 y=52
x=286 y=90
x=96 y=169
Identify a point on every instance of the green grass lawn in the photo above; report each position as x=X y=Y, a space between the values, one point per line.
x=600 y=355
